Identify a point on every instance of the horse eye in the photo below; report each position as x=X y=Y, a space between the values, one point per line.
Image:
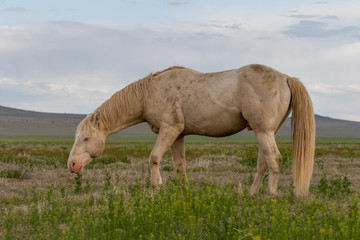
x=86 y=139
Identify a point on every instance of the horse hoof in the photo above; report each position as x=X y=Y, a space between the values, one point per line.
x=272 y=193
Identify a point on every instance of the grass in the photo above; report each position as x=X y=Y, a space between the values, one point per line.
x=113 y=199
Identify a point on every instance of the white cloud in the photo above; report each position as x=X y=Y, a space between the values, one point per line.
x=16 y=9
x=333 y=90
x=319 y=29
x=177 y=3
x=342 y=9
x=12 y=38
x=350 y=117
x=8 y=81
x=325 y=89
x=11 y=82
x=346 y=52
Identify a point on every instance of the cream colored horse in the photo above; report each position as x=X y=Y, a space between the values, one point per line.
x=179 y=101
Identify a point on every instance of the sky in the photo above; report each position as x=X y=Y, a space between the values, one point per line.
x=70 y=56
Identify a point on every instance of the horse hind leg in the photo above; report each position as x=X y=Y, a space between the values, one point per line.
x=272 y=156
x=178 y=153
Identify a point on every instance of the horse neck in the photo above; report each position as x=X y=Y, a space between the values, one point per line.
x=120 y=112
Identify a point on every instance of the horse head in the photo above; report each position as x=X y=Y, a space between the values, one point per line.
x=89 y=143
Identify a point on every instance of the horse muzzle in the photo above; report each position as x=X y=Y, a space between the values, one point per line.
x=75 y=167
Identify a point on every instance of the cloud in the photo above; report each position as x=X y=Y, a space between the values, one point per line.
x=331 y=89
x=78 y=61
x=7 y=81
x=51 y=95
x=221 y=25
x=16 y=9
x=73 y=60
x=343 y=105
x=316 y=29
x=322 y=2
x=309 y=16
x=177 y=3
x=345 y=52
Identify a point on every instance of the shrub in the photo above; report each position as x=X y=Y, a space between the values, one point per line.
x=250 y=157
x=78 y=183
x=334 y=186
x=18 y=173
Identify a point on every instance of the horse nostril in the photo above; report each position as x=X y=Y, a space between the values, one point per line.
x=72 y=166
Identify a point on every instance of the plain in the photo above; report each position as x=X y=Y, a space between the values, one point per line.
x=40 y=199
x=113 y=199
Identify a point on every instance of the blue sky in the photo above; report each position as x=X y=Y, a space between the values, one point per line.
x=70 y=56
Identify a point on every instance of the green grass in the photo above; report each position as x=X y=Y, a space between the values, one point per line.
x=113 y=198
x=187 y=210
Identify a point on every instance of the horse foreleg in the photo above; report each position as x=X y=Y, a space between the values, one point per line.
x=178 y=153
x=166 y=138
x=260 y=173
x=272 y=157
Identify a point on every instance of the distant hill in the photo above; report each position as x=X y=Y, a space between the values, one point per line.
x=17 y=122
x=20 y=122
x=329 y=127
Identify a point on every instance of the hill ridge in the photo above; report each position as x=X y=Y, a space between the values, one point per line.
x=14 y=121
x=8 y=111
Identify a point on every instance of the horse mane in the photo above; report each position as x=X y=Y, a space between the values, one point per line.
x=121 y=102
x=167 y=69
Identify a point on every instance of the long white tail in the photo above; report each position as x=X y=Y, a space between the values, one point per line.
x=303 y=130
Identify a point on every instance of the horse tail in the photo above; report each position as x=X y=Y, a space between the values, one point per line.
x=303 y=131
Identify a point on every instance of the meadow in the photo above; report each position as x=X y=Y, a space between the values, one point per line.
x=113 y=199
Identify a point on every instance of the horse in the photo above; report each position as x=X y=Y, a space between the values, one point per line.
x=179 y=101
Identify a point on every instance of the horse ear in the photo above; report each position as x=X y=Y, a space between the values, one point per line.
x=95 y=119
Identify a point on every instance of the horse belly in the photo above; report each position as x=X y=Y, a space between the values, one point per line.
x=220 y=124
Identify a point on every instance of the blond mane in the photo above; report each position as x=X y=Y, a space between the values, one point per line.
x=121 y=103
x=168 y=69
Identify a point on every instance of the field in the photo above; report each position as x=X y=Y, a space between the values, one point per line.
x=112 y=199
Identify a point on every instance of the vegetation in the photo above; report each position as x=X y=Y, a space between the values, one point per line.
x=113 y=199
